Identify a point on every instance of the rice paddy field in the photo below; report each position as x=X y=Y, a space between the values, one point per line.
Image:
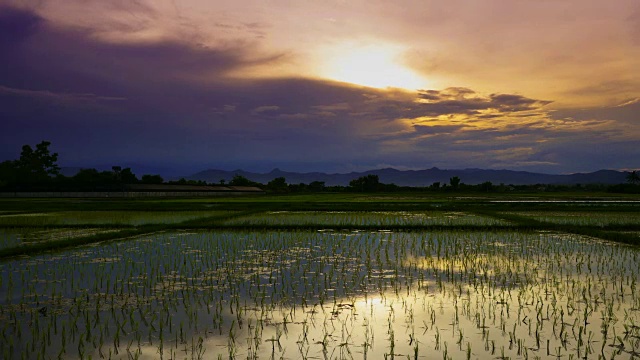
x=372 y=218
x=296 y=279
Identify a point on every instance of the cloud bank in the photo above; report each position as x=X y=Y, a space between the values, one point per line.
x=105 y=98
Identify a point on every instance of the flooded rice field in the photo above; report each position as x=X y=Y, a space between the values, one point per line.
x=16 y=237
x=600 y=219
x=325 y=295
x=374 y=218
x=112 y=218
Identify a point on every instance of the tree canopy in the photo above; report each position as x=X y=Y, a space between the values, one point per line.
x=277 y=185
x=454 y=182
x=239 y=180
x=37 y=165
x=365 y=183
x=34 y=165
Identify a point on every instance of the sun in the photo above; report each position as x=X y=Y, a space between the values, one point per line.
x=376 y=65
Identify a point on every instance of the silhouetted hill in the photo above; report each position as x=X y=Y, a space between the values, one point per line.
x=421 y=177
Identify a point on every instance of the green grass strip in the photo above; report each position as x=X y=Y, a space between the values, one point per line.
x=608 y=232
x=46 y=246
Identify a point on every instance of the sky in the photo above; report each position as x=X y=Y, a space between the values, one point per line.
x=181 y=86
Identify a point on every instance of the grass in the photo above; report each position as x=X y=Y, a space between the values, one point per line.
x=33 y=248
x=326 y=201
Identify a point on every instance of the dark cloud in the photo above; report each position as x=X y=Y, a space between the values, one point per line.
x=173 y=103
x=17 y=25
x=429 y=95
x=516 y=103
x=48 y=57
x=57 y=97
x=466 y=101
x=446 y=94
x=436 y=129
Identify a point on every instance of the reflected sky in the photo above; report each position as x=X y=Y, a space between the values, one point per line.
x=326 y=295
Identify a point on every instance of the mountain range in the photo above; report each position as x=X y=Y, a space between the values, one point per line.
x=421 y=177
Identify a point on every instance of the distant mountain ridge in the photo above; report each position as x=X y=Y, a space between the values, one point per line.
x=421 y=177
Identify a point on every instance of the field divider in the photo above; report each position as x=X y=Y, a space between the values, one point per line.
x=68 y=226
x=316 y=227
x=608 y=232
x=47 y=246
x=126 y=232
x=212 y=220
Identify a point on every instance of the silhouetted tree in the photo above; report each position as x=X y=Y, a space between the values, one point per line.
x=152 y=179
x=8 y=172
x=35 y=166
x=239 y=180
x=365 y=183
x=127 y=176
x=633 y=177
x=486 y=186
x=116 y=172
x=278 y=184
x=454 y=182
x=316 y=186
x=87 y=177
x=183 y=181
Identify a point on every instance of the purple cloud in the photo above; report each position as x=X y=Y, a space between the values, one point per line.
x=173 y=103
x=17 y=25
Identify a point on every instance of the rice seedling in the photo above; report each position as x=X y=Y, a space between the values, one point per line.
x=591 y=218
x=370 y=218
x=16 y=237
x=108 y=218
x=325 y=294
x=316 y=294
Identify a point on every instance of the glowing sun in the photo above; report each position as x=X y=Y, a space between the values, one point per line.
x=370 y=65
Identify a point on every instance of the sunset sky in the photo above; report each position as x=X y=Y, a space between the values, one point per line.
x=181 y=86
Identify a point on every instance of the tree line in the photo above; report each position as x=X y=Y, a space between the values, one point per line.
x=371 y=183
x=37 y=170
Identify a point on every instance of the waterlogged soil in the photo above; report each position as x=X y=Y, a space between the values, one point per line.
x=328 y=294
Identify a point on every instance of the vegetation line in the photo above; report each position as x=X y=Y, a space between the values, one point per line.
x=213 y=221
x=610 y=232
x=46 y=246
